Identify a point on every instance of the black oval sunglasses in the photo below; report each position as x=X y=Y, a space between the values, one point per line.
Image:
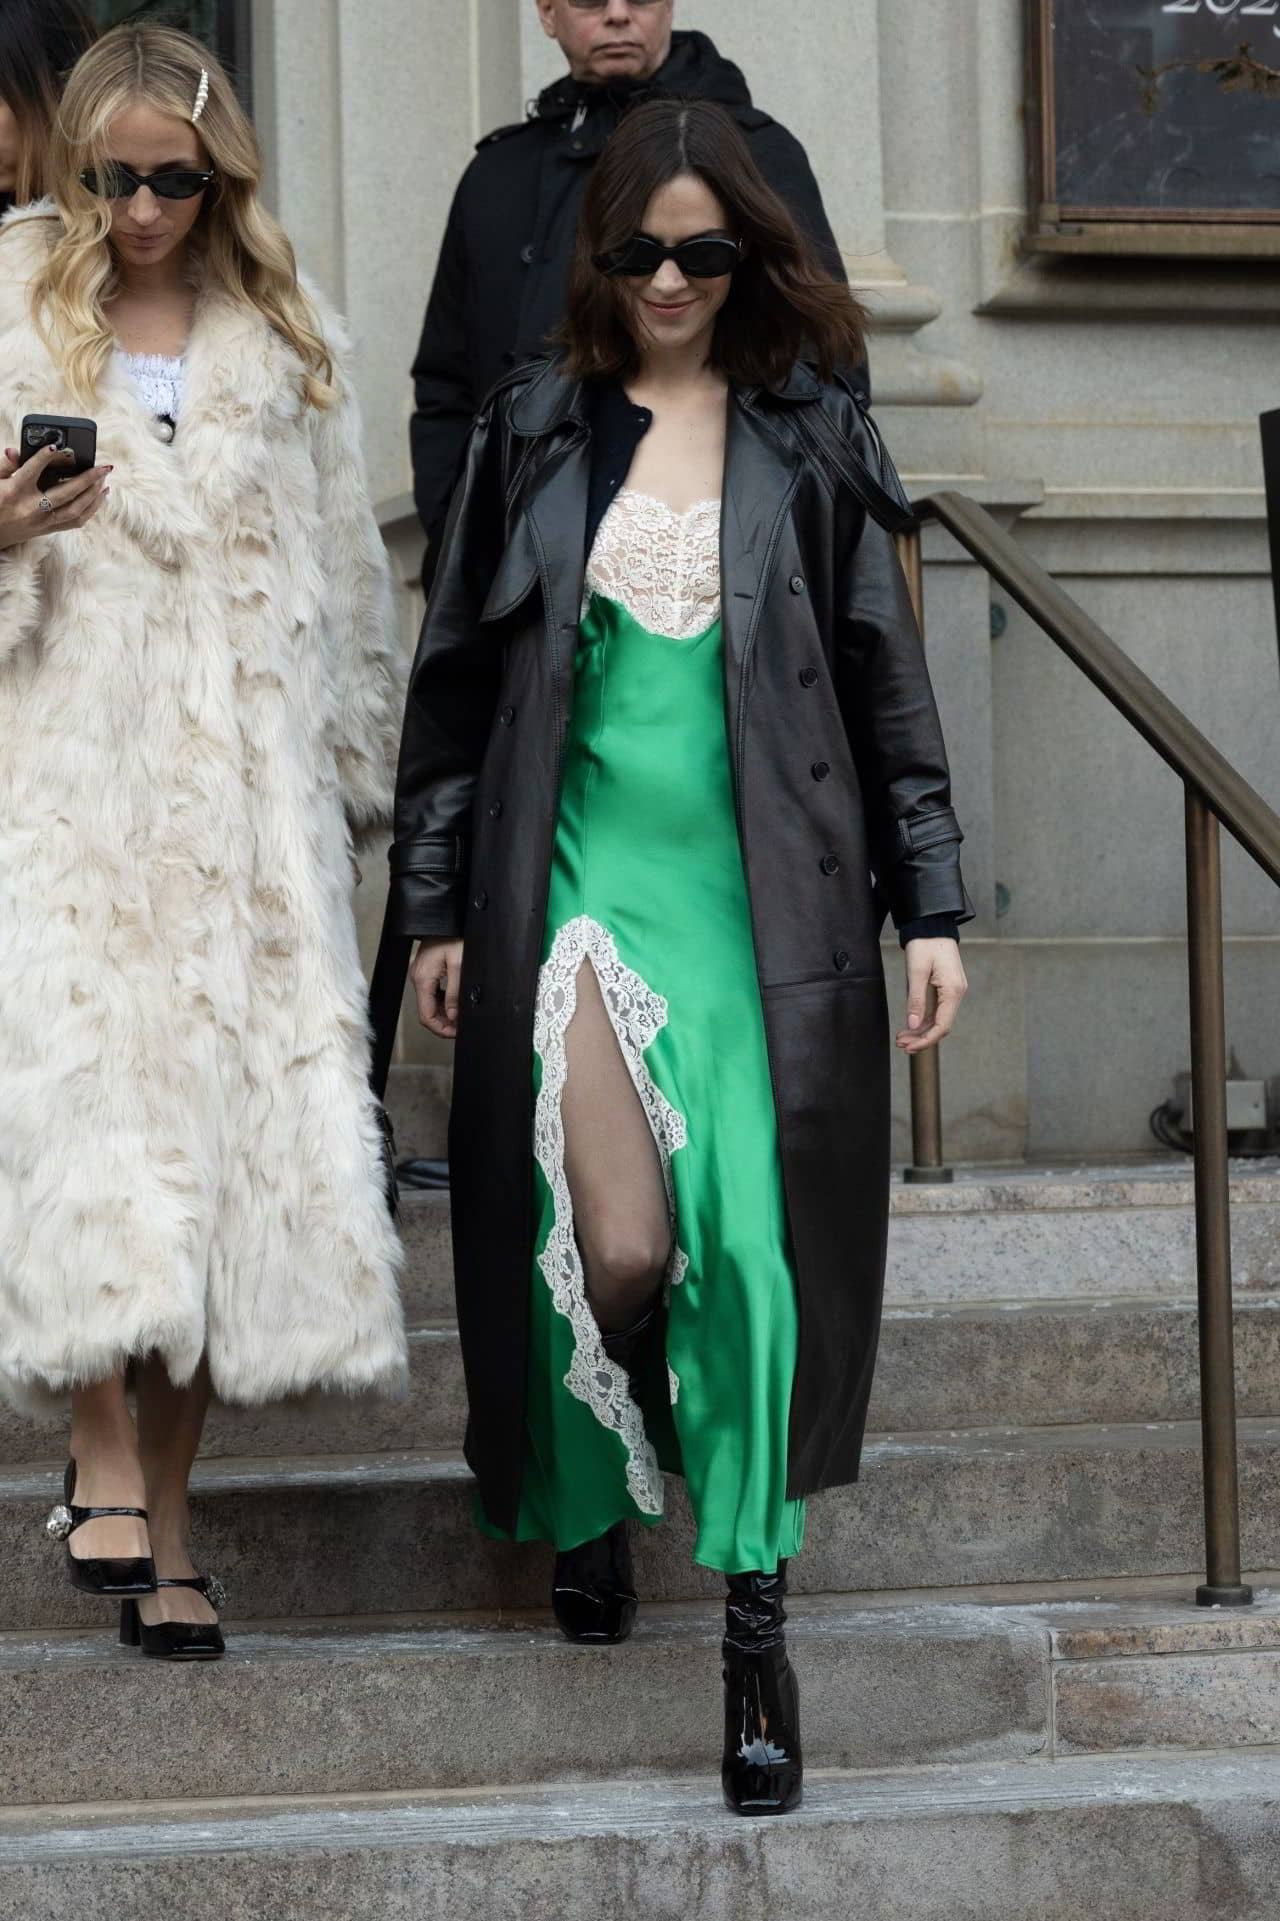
x=118 y=182
x=705 y=257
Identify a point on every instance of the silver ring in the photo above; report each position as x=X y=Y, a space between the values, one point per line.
x=46 y=505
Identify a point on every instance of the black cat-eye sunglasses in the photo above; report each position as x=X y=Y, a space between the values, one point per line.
x=118 y=182
x=704 y=257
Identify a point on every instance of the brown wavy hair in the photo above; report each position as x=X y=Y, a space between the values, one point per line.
x=783 y=305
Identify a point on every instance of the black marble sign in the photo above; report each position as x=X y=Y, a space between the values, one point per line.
x=1139 y=127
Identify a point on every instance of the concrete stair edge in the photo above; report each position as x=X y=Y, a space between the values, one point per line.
x=1016 y=1839
x=1039 y=1364
x=512 y=1703
x=326 y=1535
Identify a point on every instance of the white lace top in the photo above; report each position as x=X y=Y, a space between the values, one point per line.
x=663 y=567
x=159 y=380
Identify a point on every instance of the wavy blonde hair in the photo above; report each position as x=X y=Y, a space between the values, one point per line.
x=241 y=249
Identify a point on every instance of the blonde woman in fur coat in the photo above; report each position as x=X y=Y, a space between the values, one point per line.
x=198 y=707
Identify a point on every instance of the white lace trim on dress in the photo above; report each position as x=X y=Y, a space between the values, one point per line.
x=159 y=379
x=661 y=566
x=636 y=1014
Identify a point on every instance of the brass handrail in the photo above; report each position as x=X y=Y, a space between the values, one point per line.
x=1215 y=793
x=1239 y=807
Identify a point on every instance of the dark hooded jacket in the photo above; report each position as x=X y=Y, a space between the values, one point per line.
x=504 y=261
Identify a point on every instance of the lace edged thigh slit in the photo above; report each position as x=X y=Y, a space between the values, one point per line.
x=633 y=1015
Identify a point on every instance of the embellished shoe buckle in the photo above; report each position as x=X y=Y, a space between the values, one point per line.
x=60 y=1523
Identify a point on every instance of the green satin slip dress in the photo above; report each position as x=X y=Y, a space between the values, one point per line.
x=648 y=886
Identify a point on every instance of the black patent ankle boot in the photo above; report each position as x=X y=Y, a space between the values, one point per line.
x=762 y=1772
x=593 y=1591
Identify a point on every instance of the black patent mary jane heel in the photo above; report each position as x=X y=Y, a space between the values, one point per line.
x=136 y=1575
x=762 y=1772
x=177 y=1640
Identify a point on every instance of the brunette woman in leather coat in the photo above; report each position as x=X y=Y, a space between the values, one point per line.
x=670 y=751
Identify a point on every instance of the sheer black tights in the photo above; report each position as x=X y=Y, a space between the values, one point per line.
x=620 y=1212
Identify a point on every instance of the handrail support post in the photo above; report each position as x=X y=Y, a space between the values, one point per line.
x=1223 y=1587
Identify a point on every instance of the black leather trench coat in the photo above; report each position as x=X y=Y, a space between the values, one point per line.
x=843 y=800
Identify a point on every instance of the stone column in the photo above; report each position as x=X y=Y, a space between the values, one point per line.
x=368 y=112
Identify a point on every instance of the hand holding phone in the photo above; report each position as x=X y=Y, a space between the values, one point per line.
x=63 y=435
x=44 y=487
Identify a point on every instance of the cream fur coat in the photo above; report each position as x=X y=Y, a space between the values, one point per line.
x=199 y=698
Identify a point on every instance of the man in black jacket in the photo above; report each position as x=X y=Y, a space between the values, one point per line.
x=504 y=263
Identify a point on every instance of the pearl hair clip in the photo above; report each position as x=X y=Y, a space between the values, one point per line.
x=202 y=96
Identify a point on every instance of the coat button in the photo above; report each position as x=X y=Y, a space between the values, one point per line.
x=796 y=583
x=526 y=253
x=830 y=864
x=495 y=812
x=507 y=715
x=808 y=676
x=820 y=769
x=841 y=959
x=481 y=900
x=474 y=996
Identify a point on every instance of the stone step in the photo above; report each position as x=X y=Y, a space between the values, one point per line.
x=1134 y=1840
x=1042 y=1365
x=418 y=1103
x=1038 y=1233
x=426 y=1283
x=370 y=1533
x=434 y=1705
x=1057 y=1363
x=488 y=1702
x=1016 y=1235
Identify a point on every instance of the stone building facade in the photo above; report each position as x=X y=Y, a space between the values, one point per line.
x=1107 y=411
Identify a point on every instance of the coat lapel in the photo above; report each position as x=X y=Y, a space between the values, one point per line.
x=149 y=499
x=239 y=379
x=556 y=518
x=242 y=384
x=759 y=479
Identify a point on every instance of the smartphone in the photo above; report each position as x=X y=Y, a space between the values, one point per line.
x=55 y=430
